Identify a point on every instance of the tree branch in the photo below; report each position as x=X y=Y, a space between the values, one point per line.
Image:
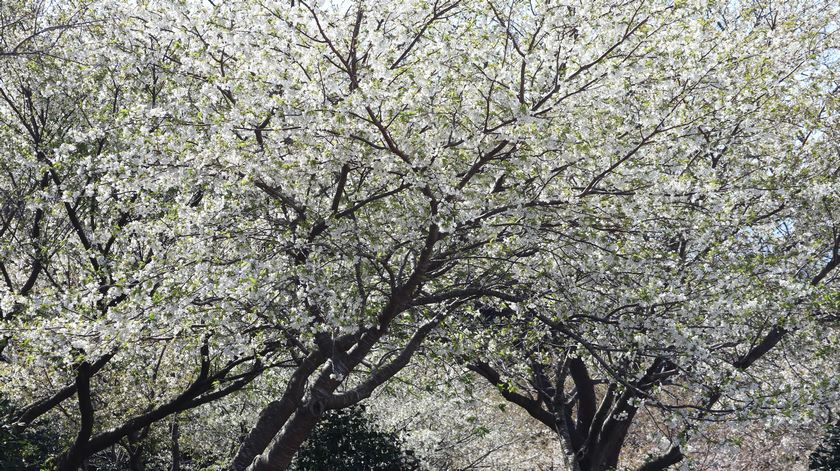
x=38 y=408
x=379 y=376
x=73 y=457
x=672 y=457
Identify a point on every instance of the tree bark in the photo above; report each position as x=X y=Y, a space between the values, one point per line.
x=176 y=447
x=78 y=451
x=279 y=455
x=672 y=457
x=276 y=413
x=42 y=406
x=136 y=461
x=586 y=396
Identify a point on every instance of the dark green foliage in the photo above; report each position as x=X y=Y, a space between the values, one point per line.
x=26 y=451
x=347 y=440
x=827 y=456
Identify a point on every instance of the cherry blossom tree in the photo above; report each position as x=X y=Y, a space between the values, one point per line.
x=279 y=203
x=91 y=270
x=692 y=276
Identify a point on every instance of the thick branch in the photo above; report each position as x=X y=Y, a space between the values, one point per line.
x=77 y=452
x=530 y=405
x=586 y=395
x=42 y=406
x=193 y=397
x=276 y=413
x=379 y=376
x=661 y=463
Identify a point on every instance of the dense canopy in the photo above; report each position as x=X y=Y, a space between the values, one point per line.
x=221 y=219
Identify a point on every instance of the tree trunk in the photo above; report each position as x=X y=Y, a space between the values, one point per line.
x=276 y=413
x=135 y=459
x=570 y=459
x=282 y=450
x=176 y=448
